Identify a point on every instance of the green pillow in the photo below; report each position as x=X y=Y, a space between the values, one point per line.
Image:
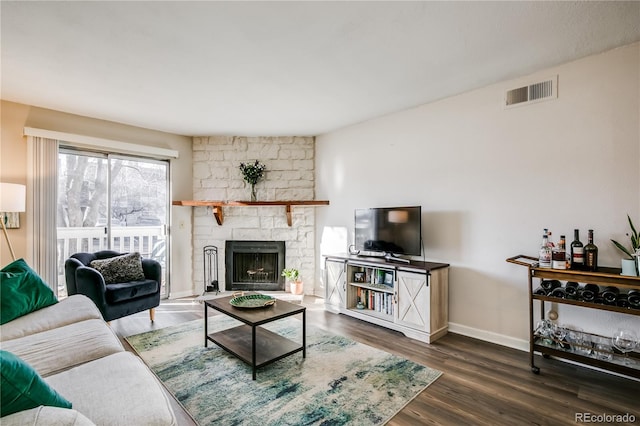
x=22 y=388
x=22 y=291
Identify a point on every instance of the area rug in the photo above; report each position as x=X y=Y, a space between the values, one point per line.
x=339 y=382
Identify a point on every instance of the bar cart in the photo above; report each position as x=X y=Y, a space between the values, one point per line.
x=584 y=350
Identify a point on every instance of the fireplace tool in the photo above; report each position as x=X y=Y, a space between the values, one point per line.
x=210 y=269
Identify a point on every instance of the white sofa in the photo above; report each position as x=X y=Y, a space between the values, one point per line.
x=78 y=355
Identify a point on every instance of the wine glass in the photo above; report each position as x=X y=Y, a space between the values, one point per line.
x=625 y=341
x=543 y=330
x=559 y=333
x=576 y=339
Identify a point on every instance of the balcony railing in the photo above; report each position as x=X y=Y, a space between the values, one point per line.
x=149 y=241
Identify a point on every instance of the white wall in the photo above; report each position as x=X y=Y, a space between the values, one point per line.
x=490 y=179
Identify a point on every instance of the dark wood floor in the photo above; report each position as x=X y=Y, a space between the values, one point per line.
x=482 y=383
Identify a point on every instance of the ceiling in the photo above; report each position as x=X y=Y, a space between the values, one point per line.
x=284 y=68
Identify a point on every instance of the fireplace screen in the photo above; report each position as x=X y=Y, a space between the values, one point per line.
x=252 y=268
x=254 y=265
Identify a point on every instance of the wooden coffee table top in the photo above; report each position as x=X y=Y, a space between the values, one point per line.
x=255 y=316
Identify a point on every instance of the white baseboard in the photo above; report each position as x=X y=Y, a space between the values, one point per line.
x=181 y=294
x=489 y=336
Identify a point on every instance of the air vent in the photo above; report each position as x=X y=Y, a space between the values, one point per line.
x=532 y=93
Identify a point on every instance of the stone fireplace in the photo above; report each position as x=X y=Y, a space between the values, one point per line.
x=290 y=175
x=254 y=265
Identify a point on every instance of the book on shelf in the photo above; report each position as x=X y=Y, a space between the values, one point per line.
x=375 y=300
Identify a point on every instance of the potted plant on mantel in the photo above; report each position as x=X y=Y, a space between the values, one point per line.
x=252 y=173
x=293 y=277
x=630 y=265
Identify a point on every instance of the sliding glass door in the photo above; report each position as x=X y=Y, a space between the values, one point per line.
x=115 y=202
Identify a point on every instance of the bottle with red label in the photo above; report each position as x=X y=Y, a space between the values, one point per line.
x=577 y=252
x=559 y=255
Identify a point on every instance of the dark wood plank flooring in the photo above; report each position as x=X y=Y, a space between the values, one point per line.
x=482 y=383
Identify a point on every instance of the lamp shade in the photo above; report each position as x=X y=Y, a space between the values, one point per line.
x=12 y=197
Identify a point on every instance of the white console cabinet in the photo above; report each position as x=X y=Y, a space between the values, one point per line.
x=410 y=298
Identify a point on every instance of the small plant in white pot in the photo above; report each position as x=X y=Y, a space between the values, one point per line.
x=293 y=277
x=629 y=265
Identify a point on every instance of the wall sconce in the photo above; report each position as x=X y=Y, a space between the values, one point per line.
x=12 y=200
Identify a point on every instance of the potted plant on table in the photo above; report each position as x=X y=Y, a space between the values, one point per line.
x=630 y=265
x=293 y=277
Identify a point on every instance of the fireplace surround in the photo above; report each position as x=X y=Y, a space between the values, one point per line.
x=290 y=176
x=254 y=265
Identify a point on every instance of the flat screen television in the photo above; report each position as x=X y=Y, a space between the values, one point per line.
x=389 y=230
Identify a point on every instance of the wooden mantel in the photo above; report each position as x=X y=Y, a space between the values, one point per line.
x=216 y=206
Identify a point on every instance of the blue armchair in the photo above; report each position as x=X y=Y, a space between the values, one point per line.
x=113 y=298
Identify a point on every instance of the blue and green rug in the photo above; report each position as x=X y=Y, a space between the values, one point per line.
x=339 y=382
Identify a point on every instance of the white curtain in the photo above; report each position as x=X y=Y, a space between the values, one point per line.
x=43 y=200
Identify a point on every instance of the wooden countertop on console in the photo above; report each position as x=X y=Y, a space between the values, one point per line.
x=414 y=265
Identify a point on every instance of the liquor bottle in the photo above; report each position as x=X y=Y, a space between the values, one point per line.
x=577 y=251
x=591 y=254
x=559 y=255
x=544 y=260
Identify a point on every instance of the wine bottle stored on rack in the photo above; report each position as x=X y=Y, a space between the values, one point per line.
x=577 y=251
x=590 y=292
x=623 y=301
x=540 y=291
x=571 y=289
x=591 y=254
x=610 y=295
x=550 y=285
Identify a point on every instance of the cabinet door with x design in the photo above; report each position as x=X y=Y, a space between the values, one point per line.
x=413 y=300
x=335 y=285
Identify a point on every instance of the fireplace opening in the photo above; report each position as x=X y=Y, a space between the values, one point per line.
x=254 y=265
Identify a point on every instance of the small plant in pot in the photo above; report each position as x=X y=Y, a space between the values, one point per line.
x=293 y=277
x=632 y=261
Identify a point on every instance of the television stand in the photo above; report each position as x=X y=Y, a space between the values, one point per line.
x=390 y=257
x=410 y=298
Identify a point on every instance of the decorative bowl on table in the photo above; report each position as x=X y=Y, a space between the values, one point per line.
x=252 y=301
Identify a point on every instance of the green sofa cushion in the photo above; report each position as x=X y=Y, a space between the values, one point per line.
x=22 y=388
x=22 y=291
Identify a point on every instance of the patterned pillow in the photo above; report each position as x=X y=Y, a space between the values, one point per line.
x=120 y=269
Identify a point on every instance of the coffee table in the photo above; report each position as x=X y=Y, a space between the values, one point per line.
x=249 y=342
